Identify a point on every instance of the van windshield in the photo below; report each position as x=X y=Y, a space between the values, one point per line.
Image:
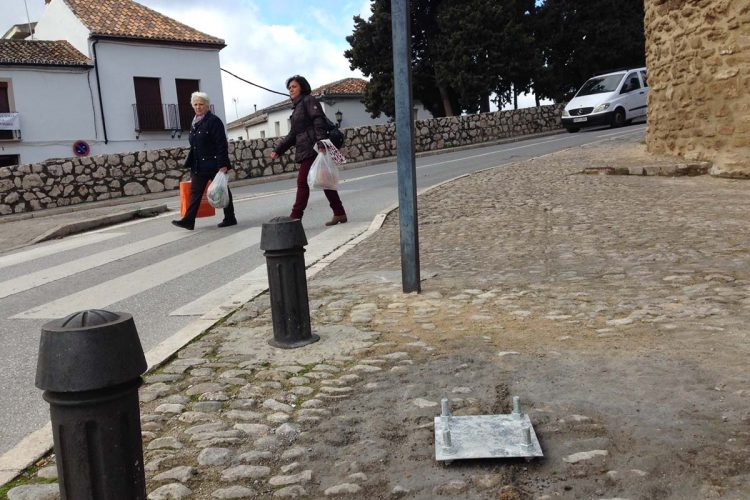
x=601 y=84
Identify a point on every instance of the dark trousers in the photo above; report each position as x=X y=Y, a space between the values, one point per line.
x=303 y=193
x=198 y=185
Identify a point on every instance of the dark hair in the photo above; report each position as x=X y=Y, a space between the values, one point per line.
x=303 y=83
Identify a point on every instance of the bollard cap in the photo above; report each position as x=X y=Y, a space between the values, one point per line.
x=89 y=350
x=282 y=233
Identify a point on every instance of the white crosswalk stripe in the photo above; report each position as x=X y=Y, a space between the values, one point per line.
x=45 y=250
x=43 y=276
x=247 y=286
x=115 y=290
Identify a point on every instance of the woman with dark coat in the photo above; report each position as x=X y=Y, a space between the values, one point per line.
x=308 y=126
x=208 y=155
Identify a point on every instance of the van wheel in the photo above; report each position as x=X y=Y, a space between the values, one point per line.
x=618 y=118
x=572 y=130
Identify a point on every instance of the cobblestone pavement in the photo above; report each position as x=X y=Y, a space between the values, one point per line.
x=615 y=306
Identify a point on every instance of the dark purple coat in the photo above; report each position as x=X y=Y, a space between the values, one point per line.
x=308 y=126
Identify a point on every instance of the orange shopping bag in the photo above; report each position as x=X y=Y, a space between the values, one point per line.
x=205 y=209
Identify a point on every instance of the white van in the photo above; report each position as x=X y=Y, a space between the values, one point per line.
x=612 y=99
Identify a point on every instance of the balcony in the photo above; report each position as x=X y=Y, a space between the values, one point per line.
x=155 y=118
x=10 y=126
x=163 y=117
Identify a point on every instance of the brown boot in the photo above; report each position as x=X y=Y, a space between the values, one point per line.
x=337 y=219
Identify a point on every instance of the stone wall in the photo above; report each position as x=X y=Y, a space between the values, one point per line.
x=698 y=57
x=69 y=181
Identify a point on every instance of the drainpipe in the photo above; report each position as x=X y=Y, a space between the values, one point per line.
x=99 y=91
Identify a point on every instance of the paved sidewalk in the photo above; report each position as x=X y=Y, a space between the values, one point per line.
x=615 y=306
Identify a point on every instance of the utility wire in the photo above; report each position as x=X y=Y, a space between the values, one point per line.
x=285 y=94
x=28 y=21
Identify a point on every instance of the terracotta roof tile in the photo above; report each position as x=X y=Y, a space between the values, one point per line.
x=41 y=52
x=128 y=19
x=347 y=86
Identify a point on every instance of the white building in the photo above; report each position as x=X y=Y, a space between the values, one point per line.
x=102 y=76
x=341 y=100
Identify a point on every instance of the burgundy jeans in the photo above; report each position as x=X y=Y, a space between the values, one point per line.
x=303 y=193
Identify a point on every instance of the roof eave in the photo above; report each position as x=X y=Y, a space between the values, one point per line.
x=48 y=65
x=154 y=41
x=337 y=96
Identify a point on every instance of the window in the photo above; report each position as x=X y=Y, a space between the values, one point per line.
x=5 y=108
x=644 y=78
x=185 y=88
x=149 y=112
x=9 y=160
x=262 y=134
x=277 y=128
x=631 y=83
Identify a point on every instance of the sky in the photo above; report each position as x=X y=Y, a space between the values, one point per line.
x=267 y=41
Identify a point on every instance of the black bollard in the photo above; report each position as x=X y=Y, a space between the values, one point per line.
x=90 y=366
x=283 y=240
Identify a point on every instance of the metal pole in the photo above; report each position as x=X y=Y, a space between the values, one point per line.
x=407 y=172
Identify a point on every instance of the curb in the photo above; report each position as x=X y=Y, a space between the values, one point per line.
x=96 y=222
x=40 y=442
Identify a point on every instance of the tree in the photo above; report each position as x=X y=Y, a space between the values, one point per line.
x=468 y=48
x=461 y=53
x=372 y=53
x=578 y=42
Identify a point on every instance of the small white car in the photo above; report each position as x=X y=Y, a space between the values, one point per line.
x=612 y=99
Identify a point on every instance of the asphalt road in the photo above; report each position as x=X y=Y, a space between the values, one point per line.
x=165 y=276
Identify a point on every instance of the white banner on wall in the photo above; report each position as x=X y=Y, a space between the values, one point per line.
x=10 y=121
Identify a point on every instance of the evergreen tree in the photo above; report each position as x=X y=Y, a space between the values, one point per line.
x=372 y=53
x=580 y=39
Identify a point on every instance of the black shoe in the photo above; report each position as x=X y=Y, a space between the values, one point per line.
x=227 y=223
x=184 y=225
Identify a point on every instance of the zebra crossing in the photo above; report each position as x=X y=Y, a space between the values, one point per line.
x=119 y=288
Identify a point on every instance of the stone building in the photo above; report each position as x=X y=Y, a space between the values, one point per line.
x=698 y=57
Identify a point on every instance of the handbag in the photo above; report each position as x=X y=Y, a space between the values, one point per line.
x=204 y=209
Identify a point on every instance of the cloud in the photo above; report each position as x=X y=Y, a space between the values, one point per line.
x=267 y=53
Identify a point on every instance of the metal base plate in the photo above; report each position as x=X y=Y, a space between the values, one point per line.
x=485 y=436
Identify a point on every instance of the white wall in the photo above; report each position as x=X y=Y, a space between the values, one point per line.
x=59 y=106
x=59 y=23
x=56 y=109
x=119 y=62
x=57 y=123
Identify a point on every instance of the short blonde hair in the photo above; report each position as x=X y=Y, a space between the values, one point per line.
x=200 y=95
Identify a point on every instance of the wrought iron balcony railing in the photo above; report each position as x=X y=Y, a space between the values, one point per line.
x=163 y=117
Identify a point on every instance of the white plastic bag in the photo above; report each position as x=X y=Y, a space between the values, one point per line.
x=218 y=192
x=323 y=173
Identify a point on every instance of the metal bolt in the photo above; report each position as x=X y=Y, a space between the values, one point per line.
x=516 y=407
x=527 y=436
x=445 y=408
x=447 y=438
